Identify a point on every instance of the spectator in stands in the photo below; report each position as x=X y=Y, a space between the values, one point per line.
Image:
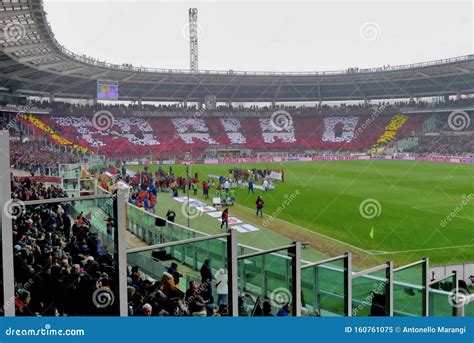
x=198 y=308
x=206 y=279
x=169 y=287
x=170 y=215
x=243 y=311
x=22 y=303
x=267 y=309
x=147 y=310
x=285 y=310
x=63 y=272
x=221 y=278
x=191 y=292
x=173 y=270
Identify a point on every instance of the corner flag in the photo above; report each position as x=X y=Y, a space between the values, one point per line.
x=371 y=234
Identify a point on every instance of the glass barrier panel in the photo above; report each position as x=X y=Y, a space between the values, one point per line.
x=369 y=294
x=441 y=297
x=186 y=279
x=323 y=289
x=408 y=291
x=265 y=284
x=469 y=309
x=10 y=301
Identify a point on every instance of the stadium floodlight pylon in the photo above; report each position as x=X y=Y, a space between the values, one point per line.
x=193 y=40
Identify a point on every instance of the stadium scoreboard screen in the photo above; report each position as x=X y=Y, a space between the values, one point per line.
x=107 y=90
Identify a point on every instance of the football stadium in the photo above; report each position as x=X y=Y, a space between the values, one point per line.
x=137 y=191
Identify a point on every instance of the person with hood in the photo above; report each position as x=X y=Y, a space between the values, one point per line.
x=206 y=279
x=221 y=286
x=168 y=286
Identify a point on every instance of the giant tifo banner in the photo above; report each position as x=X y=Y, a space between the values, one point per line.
x=159 y=138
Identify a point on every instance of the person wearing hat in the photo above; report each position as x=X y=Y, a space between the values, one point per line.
x=168 y=286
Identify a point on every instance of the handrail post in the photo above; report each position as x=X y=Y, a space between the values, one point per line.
x=6 y=234
x=295 y=253
x=120 y=236
x=348 y=285
x=232 y=272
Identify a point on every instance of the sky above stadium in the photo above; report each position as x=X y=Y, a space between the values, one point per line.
x=265 y=35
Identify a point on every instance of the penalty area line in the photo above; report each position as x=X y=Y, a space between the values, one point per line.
x=425 y=249
x=311 y=231
x=440 y=213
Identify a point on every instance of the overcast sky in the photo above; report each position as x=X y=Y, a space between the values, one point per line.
x=265 y=35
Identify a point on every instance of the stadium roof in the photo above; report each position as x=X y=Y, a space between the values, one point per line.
x=32 y=62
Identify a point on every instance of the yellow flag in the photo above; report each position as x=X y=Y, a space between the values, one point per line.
x=371 y=234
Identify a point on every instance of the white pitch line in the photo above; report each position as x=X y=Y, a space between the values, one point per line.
x=378 y=252
x=313 y=232
x=426 y=249
x=443 y=214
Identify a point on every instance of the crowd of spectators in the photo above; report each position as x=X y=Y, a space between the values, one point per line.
x=37 y=158
x=59 y=261
x=63 y=108
x=444 y=145
x=165 y=297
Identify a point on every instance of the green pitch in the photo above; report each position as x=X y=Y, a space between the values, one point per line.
x=379 y=210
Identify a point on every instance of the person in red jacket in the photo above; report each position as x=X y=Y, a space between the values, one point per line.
x=259 y=204
x=225 y=218
x=205 y=189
